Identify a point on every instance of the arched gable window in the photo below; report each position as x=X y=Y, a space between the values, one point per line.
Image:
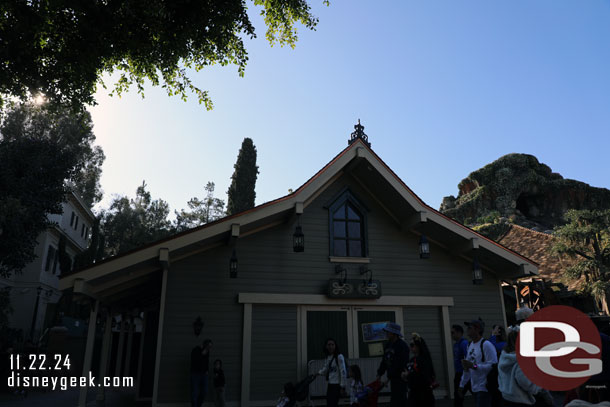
x=348 y=227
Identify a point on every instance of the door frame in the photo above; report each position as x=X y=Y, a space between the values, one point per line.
x=300 y=300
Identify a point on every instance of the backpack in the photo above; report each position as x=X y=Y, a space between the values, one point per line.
x=492 y=376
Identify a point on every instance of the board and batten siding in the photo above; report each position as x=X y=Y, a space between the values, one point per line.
x=274 y=350
x=200 y=286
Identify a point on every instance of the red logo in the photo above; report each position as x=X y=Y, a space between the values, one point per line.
x=559 y=348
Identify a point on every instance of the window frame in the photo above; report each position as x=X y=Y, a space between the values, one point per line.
x=347 y=197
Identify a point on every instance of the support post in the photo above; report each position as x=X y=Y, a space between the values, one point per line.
x=82 y=398
x=246 y=353
x=448 y=349
x=129 y=346
x=140 y=355
x=105 y=356
x=165 y=265
x=119 y=353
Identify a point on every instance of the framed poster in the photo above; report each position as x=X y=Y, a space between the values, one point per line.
x=373 y=331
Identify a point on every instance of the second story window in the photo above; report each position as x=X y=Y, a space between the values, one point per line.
x=72 y=219
x=50 y=263
x=76 y=223
x=347 y=227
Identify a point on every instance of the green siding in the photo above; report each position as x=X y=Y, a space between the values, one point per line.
x=274 y=350
x=200 y=285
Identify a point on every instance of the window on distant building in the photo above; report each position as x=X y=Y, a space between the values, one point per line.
x=50 y=263
x=76 y=223
x=72 y=219
x=348 y=231
x=82 y=230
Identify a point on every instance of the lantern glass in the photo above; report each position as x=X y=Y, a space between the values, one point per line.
x=233 y=265
x=424 y=248
x=477 y=273
x=298 y=240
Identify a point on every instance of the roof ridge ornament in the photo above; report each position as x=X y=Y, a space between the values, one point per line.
x=359 y=134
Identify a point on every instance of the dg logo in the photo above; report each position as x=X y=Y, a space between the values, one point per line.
x=559 y=348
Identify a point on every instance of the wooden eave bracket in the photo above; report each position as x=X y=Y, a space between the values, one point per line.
x=298 y=208
x=164 y=257
x=84 y=288
x=466 y=247
x=415 y=219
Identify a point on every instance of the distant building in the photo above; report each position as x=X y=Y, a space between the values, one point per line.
x=36 y=286
x=549 y=287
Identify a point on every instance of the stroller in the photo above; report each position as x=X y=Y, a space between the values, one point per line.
x=294 y=393
x=369 y=395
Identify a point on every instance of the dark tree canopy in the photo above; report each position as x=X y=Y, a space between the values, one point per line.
x=43 y=154
x=131 y=223
x=201 y=211
x=241 y=191
x=586 y=237
x=61 y=48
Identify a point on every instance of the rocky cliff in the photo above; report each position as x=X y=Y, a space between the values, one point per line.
x=520 y=189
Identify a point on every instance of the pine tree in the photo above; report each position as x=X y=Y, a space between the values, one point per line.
x=241 y=192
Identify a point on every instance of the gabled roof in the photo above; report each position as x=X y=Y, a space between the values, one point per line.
x=252 y=219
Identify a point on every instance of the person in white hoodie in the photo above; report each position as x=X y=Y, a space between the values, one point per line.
x=517 y=390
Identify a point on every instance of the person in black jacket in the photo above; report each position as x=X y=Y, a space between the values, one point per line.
x=219 y=384
x=395 y=360
x=200 y=361
x=419 y=374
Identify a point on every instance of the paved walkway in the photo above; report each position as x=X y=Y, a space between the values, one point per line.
x=114 y=398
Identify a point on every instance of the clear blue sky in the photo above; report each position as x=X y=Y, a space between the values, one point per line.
x=442 y=88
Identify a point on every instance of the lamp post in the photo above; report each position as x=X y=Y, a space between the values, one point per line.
x=39 y=290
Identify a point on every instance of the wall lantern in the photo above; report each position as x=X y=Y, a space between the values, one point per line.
x=364 y=270
x=298 y=238
x=424 y=248
x=233 y=265
x=339 y=269
x=197 y=326
x=477 y=273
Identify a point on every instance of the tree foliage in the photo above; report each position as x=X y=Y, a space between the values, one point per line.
x=131 y=223
x=586 y=237
x=61 y=48
x=241 y=191
x=42 y=156
x=201 y=211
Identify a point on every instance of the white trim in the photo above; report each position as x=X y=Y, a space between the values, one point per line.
x=246 y=356
x=358 y=260
x=448 y=349
x=503 y=305
x=155 y=395
x=318 y=299
x=82 y=397
x=141 y=357
x=105 y=357
x=299 y=343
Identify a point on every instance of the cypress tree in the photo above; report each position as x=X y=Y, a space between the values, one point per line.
x=241 y=191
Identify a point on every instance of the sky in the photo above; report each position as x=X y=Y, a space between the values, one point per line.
x=441 y=87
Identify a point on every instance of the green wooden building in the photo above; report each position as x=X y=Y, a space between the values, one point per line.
x=268 y=307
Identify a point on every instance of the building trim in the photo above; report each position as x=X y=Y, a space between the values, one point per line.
x=319 y=299
x=246 y=355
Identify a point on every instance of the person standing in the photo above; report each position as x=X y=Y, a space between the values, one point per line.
x=479 y=361
x=419 y=374
x=517 y=390
x=200 y=361
x=394 y=362
x=219 y=384
x=335 y=372
x=460 y=349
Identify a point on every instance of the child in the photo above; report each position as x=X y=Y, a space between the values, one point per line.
x=355 y=386
x=287 y=399
x=219 y=384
